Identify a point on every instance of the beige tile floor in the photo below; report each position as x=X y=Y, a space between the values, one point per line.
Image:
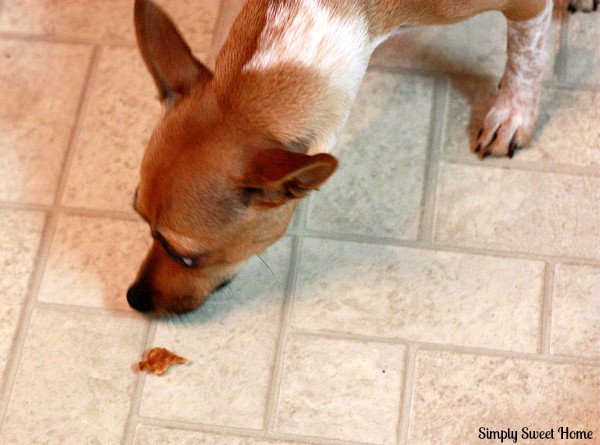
x=420 y=295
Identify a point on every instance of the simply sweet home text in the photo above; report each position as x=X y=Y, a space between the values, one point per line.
x=527 y=433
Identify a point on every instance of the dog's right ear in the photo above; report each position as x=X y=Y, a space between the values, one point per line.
x=167 y=56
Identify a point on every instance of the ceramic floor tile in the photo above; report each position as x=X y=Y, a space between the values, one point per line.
x=37 y=115
x=583 y=53
x=567 y=130
x=454 y=395
x=518 y=210
x=340 y=389
x=20 y=234
x=106 y=21
x=378 y=186
x=93 y=261
x=75 y=381
x=118 y=119
x=231 y=344
x=576 y=311
x=149 y=435
x=418 y=295
x=475 y=46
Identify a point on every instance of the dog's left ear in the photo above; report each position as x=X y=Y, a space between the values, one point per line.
x=167 y=56
x=276 y=175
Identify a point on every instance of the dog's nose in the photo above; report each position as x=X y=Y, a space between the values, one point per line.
x=139 y=298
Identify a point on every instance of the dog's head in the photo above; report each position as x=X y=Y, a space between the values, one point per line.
x=214 y=188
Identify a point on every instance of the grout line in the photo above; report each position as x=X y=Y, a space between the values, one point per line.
x=81 y=106
x=285 y=320
x=522 y=166
x=562 y=62
x=452 y=348
x=9 y=205
x=561 y=59
x=240 y=432
x=99 y=213
x=546 y=312
x=93 y=310
x=62 y=40
x=407 y=391
x=138 y=389
x=76 y=211
x=439 y=110
x=39 y=264
x=24 y=319
x=438 y=247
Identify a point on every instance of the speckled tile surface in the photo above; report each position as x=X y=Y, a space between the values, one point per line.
x=340 y=389
x=575 y=320
x=74 y=383
x=457 y=394
x=583 y=62
x=20 y=234
x=117 y=120
x=106 y=21
x=37 y=114
x=419 y=296
x=86 y=261
x=149 y=435
x=518 y=210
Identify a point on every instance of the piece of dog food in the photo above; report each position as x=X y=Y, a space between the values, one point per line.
x=158 y=360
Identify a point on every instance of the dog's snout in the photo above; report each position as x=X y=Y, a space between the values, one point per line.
x=139 y=298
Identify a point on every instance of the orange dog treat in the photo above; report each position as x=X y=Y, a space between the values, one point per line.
x=158 y=360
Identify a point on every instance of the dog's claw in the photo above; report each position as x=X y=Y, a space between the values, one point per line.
x=512 y=147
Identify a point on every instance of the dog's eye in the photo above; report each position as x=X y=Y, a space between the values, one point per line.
x=186 y=261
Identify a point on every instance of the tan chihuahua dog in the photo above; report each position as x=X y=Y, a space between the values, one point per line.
x=236 y=149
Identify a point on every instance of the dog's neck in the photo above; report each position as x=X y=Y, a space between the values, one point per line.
x=303 y=70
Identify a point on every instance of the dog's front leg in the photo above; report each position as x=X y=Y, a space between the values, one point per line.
x=510 y=123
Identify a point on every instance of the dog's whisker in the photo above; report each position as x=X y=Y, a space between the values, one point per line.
x=270 y=270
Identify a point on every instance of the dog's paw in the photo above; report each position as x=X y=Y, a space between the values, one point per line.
x=508 y=125
x=583 y=5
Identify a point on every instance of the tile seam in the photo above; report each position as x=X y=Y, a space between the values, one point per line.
x=522 y=166
x=407 y=393
x=560 y=64
x=448 y=347
x=546 y=313
x=439 y=111
x=41 y=259
x=449 y=248
x=45 y=38
x=245 y=433
x=75 y=132
x=138 y=390
x=22 y=327
x=276 y=377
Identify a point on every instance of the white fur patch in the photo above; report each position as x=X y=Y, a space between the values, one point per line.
x=304 y=32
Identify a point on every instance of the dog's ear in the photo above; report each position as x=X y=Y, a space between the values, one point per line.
x=167 y=56
x=276 y=175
